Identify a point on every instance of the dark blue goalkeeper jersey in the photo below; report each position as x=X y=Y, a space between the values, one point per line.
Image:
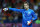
x=27 y=15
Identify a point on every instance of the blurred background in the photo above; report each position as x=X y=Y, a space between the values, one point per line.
x=14 y=19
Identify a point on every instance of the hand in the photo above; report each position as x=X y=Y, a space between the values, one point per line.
x=29 y=22
x=5 y=9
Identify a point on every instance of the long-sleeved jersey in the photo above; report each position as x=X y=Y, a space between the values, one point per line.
x=27 y=15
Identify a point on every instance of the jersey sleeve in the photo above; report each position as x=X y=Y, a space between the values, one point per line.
x=34 y=15
x=17 y=10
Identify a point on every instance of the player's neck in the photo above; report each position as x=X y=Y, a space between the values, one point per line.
x=27 y=8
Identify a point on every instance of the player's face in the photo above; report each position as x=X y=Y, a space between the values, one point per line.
x=26 y=5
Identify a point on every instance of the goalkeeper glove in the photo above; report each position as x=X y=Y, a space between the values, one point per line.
x=5 y=9
x=29 y=22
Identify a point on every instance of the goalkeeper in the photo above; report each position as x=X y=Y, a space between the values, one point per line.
x=28 y=15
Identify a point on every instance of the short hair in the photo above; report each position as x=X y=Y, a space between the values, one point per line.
x=26 y=2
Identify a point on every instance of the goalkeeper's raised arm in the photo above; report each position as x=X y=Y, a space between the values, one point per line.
x=14 y=9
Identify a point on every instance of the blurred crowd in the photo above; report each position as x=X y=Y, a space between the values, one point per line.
x=16 y=17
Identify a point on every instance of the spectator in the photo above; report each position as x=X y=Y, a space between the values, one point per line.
x=10 y=19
